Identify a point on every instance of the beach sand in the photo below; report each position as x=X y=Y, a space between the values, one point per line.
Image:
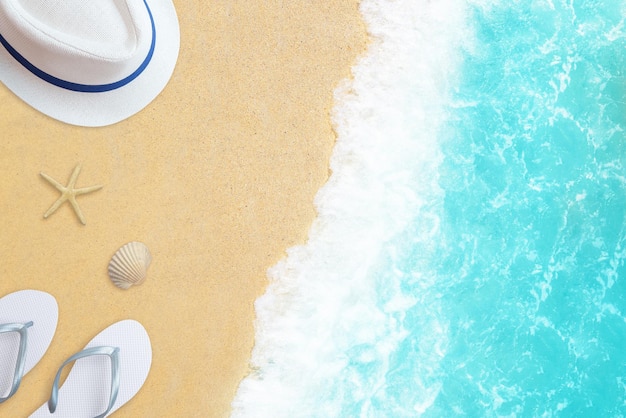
x=217 y=176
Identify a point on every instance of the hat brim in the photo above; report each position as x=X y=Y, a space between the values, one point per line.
x=105 y=108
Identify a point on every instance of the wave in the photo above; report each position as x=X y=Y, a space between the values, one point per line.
x=329 y=322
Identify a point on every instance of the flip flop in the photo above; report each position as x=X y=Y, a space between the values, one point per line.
x=106 y=374
x=28 y=320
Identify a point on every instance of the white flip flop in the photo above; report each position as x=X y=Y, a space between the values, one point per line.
x=106 y=374
x=28 y=320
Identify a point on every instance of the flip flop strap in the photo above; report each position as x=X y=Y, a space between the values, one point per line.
x=112 y=353
x=22 y=330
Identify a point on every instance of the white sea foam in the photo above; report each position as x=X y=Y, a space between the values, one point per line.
x=321 y=302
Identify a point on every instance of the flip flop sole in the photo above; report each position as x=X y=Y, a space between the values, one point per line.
x=21 y=307
x=85 y=393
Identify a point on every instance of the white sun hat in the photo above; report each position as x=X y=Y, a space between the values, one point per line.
x=88 y=62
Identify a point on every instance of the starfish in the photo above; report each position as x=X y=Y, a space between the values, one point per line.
x=68 y=193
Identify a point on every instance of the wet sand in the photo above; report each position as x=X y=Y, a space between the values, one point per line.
x=217 y=176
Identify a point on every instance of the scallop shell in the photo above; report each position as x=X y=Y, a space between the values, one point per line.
x=129 y=265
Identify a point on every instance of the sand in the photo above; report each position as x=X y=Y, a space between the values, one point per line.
x=217 y=176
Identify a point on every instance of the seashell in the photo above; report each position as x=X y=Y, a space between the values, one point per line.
x=129 y=265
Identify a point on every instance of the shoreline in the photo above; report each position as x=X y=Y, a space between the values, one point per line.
x=217 y=180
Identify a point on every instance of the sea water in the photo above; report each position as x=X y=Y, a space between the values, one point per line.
x=468 y=254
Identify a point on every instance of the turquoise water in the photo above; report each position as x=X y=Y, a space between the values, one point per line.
x=534 y=178
x=468 y=258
